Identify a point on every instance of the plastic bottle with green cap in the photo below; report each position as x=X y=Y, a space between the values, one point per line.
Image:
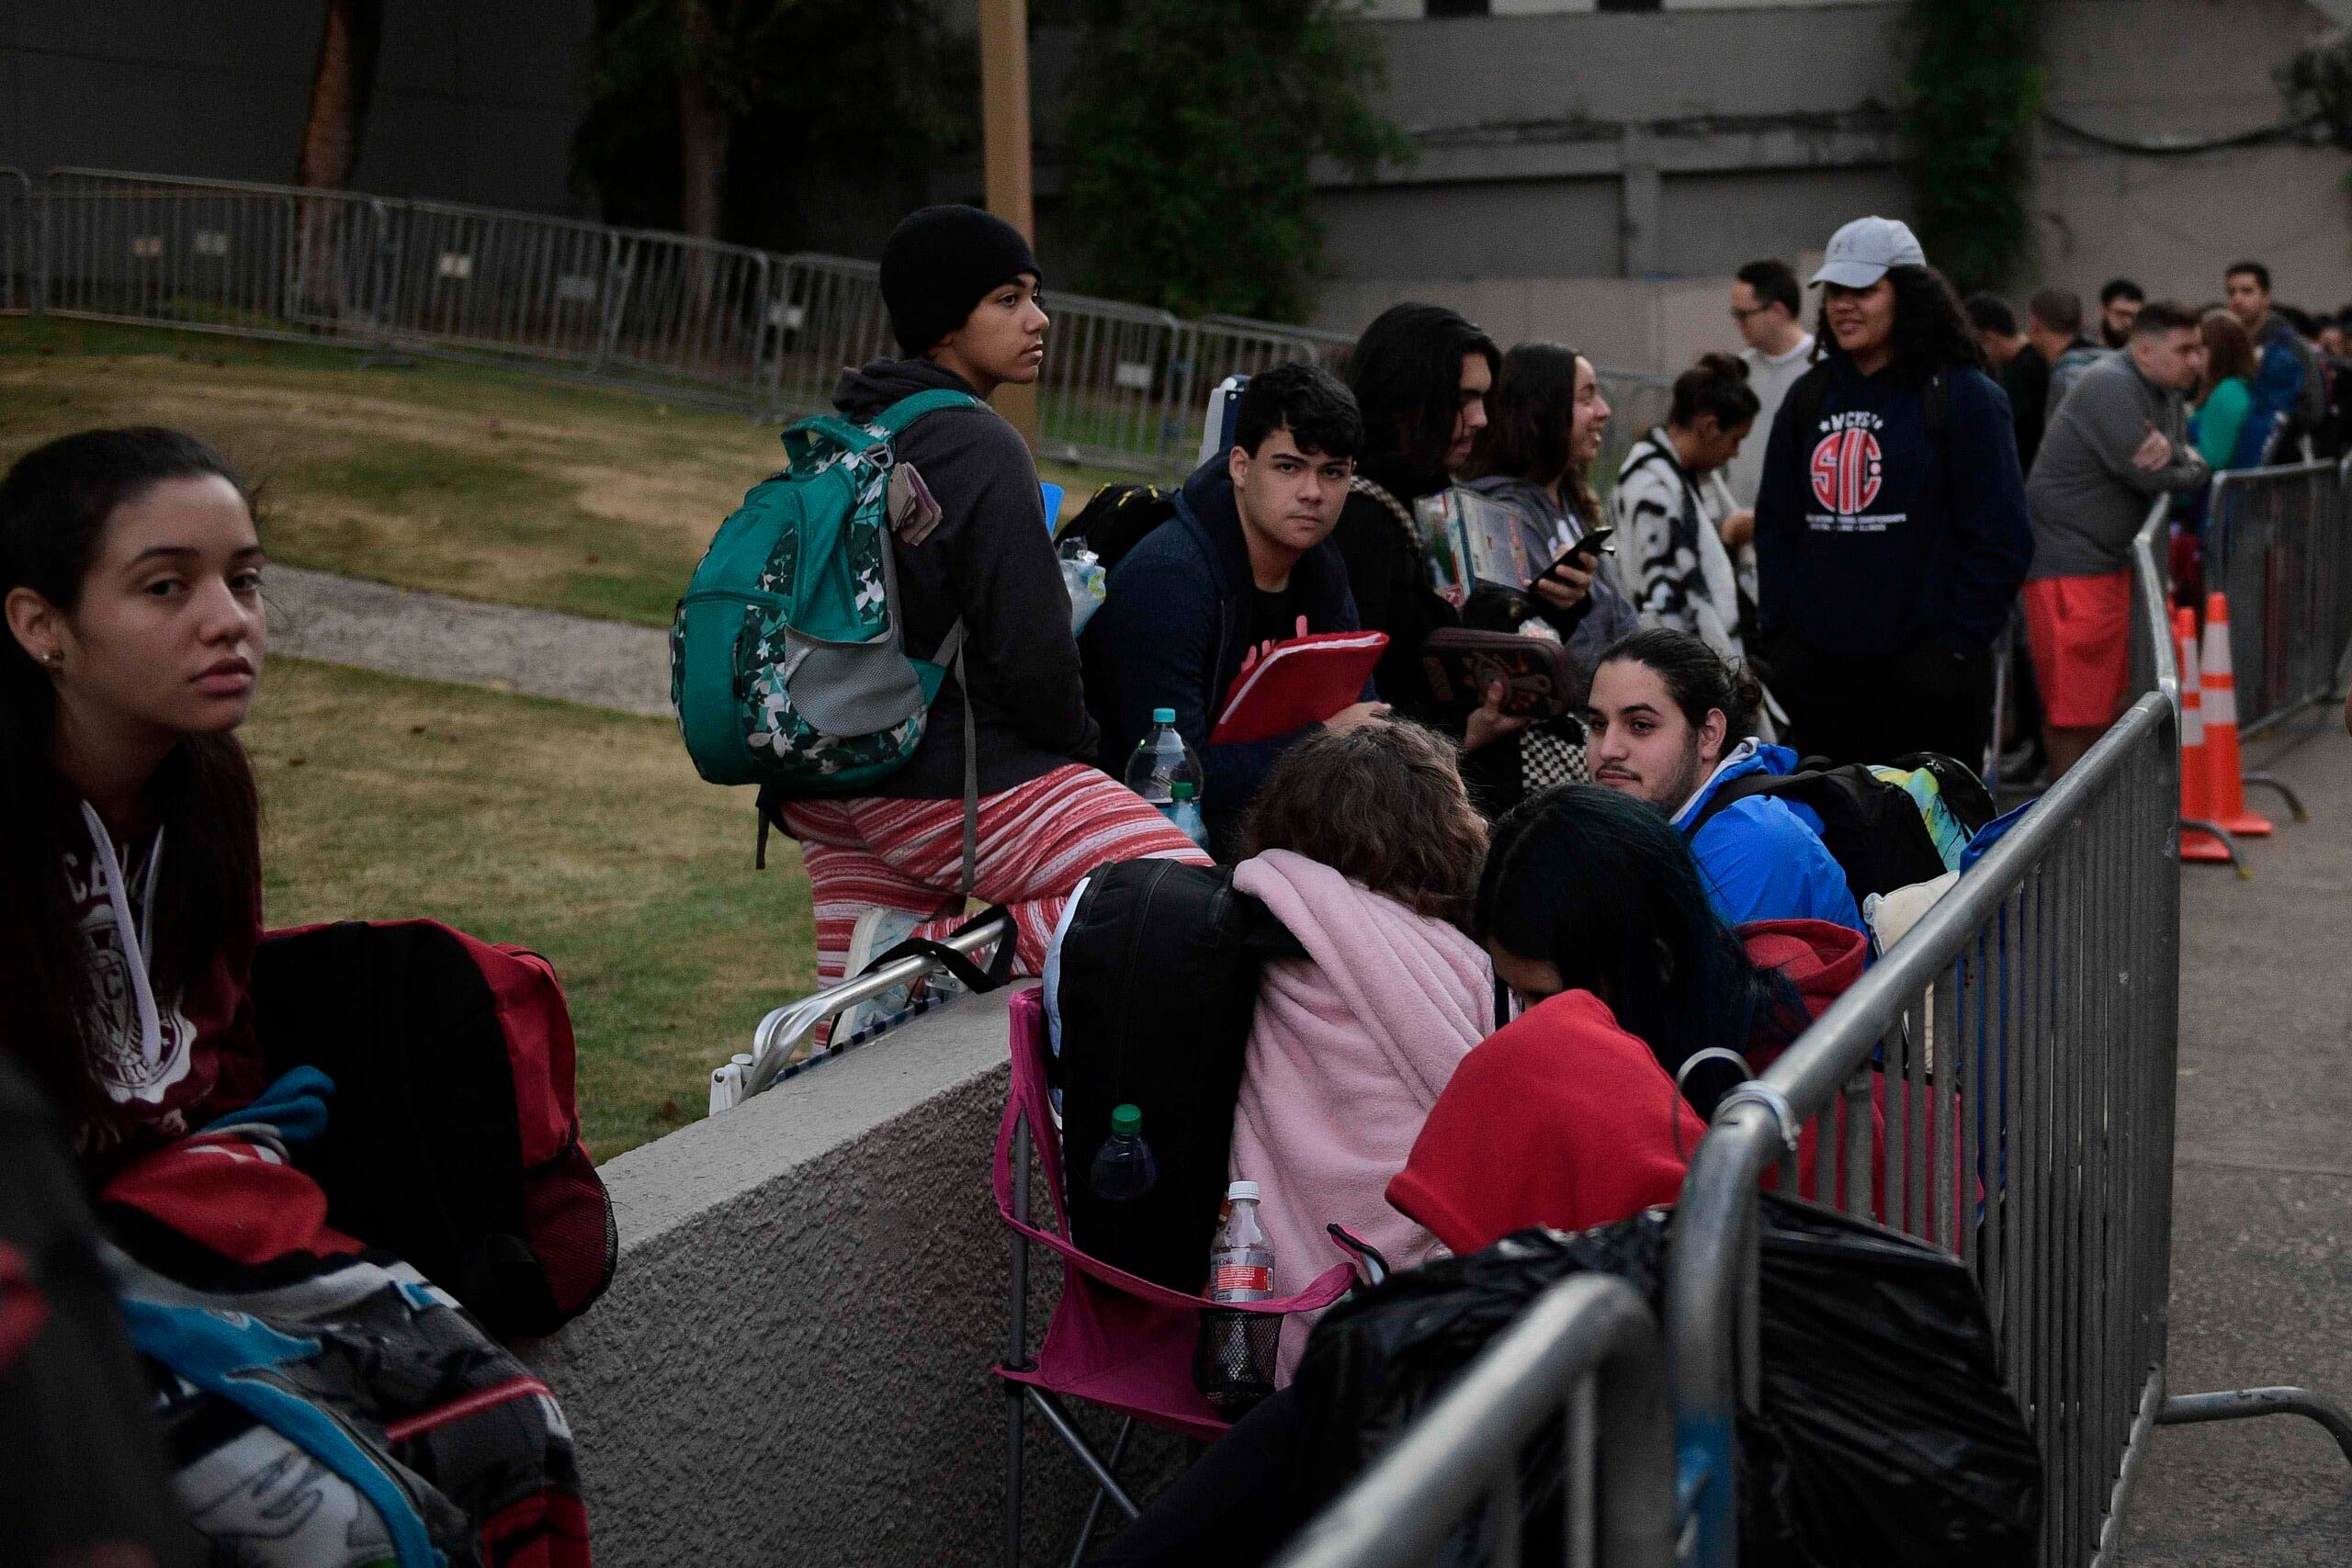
x=1184 y=811
x=1161 y=762
x=1124 y=1169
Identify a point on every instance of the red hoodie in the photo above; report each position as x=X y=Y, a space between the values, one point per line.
x=1562 y=1118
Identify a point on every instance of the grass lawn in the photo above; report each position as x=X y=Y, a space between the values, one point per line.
x=485 y=483
x=582 y=835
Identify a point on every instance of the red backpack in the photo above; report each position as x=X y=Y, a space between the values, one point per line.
x=453 y=1139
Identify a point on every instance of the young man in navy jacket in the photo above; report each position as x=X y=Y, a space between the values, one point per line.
x=1891 y=530
x=1246 y=563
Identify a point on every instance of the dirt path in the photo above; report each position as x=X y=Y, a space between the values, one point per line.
x=340 y=620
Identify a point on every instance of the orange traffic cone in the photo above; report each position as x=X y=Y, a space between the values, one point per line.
x=2195 y=784
x=2226 y=790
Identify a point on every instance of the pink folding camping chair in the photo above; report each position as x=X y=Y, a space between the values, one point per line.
x=1115 y=1340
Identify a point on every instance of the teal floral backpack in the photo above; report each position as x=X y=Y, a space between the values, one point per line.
x=788 y=663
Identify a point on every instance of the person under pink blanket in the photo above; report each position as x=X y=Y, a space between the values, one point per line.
x=1365 y=846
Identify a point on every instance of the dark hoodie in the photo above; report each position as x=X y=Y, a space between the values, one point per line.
x=1876 y=538
x=1173 y=630
x=991 y=562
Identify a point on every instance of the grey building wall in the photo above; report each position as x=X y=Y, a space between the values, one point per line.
x=473 y=102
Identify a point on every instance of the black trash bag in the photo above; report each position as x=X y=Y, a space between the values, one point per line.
x=1885 y=1435
x=1382 y=1356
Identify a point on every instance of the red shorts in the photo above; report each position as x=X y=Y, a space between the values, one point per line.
x=2080 y=629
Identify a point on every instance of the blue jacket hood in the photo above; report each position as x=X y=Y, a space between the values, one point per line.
x=1750 y=756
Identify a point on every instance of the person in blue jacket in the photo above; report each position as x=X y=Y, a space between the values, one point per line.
x=1246 y=563
x=1890 y=529
x=1662 y=718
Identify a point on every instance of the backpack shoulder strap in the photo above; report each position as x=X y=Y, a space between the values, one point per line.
x=1935 y=404
x=1730 y=793
x=895 y=419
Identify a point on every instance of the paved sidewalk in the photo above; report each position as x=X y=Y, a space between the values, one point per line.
x=340 y=620
x=2262 y=1188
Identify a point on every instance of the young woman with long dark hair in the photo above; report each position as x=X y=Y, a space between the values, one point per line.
x=1545 y=421
x=1891 y=530
x=1597 y=919
x=1421 y=375
x=130 y=864
x=321 y=1402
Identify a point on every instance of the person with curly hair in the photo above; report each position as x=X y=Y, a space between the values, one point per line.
x=1891 y=530
x=1364 y=845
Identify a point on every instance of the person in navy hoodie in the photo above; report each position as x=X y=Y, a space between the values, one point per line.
x=1671 y=722
x=1890 y=529
x=1246 y=562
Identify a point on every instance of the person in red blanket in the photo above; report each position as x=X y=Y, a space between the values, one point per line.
x=322 y=1402
x=1570 y=1116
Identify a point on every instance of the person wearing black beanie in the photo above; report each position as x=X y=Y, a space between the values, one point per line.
x=939 y=261
x=961 y=287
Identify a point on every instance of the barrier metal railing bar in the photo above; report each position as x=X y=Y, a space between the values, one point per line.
x=16 y=240
x=1586 y=1354
x=2025 y=1033
x=2276 y=543
x=695 y=319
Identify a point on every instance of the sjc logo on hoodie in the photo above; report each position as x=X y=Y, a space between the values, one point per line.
x=1847 y=470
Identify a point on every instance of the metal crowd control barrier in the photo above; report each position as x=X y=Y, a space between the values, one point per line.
x=1586 y=1355
x=1121 y=384
x=2025 y=1034
x=17 y=242
x=2276 y=543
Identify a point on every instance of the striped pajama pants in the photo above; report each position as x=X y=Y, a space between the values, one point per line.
x=1037 y=841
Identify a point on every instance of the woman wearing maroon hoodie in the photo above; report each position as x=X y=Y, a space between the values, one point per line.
x=1569 y=1116
x=130 y=911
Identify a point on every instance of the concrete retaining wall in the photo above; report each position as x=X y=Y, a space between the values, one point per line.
x=792 y=1364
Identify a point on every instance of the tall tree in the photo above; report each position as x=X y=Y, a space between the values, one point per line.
x=703 y=109
x=343 y=81
x=1190 y=130
x=1966 y=121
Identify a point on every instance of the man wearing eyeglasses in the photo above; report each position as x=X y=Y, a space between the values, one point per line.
x=1766 y=305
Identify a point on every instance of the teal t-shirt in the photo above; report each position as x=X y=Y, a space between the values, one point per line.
x=2220 y=419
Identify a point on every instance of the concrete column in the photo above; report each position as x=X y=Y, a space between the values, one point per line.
x=1640 y=222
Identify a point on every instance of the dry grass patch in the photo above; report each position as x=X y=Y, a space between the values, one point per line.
x=582 y=835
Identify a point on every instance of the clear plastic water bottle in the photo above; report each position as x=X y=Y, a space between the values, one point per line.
x=1233 y=1361
x=1161 y=761
x=1124 y=1169
x=1241 y=1261
x=1184 y=811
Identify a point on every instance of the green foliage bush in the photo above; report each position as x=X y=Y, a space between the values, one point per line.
x=1191 y=127
x=1966 y=122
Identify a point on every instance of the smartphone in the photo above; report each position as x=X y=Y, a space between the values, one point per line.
x=1584 y=552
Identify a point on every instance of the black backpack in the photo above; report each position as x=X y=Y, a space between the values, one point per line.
x=1156 y=982
x=1872 y=829
x=1115 y=519
x=454 y=1139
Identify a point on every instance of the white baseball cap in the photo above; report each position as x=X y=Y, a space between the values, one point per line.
x=1860 y=252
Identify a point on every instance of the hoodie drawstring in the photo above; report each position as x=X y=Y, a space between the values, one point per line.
x=133 y=934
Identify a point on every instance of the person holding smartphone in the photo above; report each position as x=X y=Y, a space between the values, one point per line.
x=1686 y=543
x=1545 y=421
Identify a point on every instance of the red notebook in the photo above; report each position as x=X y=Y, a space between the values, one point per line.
x=1298 y=683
